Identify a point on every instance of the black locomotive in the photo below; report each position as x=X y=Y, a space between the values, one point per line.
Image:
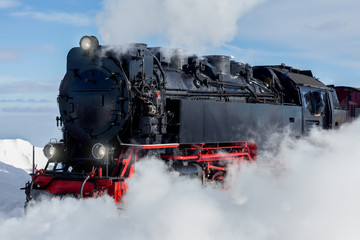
x=197 y=113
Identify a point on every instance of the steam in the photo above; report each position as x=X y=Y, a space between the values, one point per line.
x=315 y=196
x=191 y=24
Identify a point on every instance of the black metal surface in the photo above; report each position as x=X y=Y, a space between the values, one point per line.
x=93 y=101
x=210 y=121
x=300 y=77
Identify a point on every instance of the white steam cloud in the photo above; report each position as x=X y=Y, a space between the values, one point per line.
x=192 y=24
x=315 y=197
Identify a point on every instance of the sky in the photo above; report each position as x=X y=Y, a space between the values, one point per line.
x=36 y=35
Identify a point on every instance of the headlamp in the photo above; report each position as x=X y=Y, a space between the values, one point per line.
x=98 y=151
x=89 y=44
x=85 y=43
x=49 y=150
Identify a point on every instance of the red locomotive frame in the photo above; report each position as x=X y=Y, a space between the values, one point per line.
x=213 y=158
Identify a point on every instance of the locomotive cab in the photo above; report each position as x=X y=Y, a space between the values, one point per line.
x=319 y=103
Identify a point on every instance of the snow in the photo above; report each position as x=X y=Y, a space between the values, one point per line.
x=11 y=198
x=15 y=165
x=316 y=196
x=19 y=153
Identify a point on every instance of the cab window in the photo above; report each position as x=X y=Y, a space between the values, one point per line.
x=314 y=101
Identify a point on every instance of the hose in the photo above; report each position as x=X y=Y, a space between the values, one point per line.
x=82 y=186
x=161 y=70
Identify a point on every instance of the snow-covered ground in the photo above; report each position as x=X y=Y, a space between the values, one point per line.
x=16 y=161
x=316 y=196
x=19 y=153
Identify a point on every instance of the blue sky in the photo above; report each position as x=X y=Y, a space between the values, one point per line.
x=36 y=35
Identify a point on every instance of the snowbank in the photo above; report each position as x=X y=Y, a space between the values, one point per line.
x=12 y=199
x=15 y=165
x=19 y=153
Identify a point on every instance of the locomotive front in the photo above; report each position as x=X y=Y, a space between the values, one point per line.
x=109 y=99
x=94 y=96
x=109 y=96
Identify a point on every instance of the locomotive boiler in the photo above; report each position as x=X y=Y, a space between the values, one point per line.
x=199 y=114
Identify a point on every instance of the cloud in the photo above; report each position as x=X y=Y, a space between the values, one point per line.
x=331 y=25
x=77 y=19
x=11 y=55
x=44 y=48
x=193 y=24
x=8 y=55
x=325 y=31
x=23 y=110
x=19 y=100
x=8 y=3
x=9 y=85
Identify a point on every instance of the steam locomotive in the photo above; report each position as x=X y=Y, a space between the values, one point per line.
x=197 y=113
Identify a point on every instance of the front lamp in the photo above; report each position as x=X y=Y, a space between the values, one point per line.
x=49 y=150
x=89 y=43
x=98 y=151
